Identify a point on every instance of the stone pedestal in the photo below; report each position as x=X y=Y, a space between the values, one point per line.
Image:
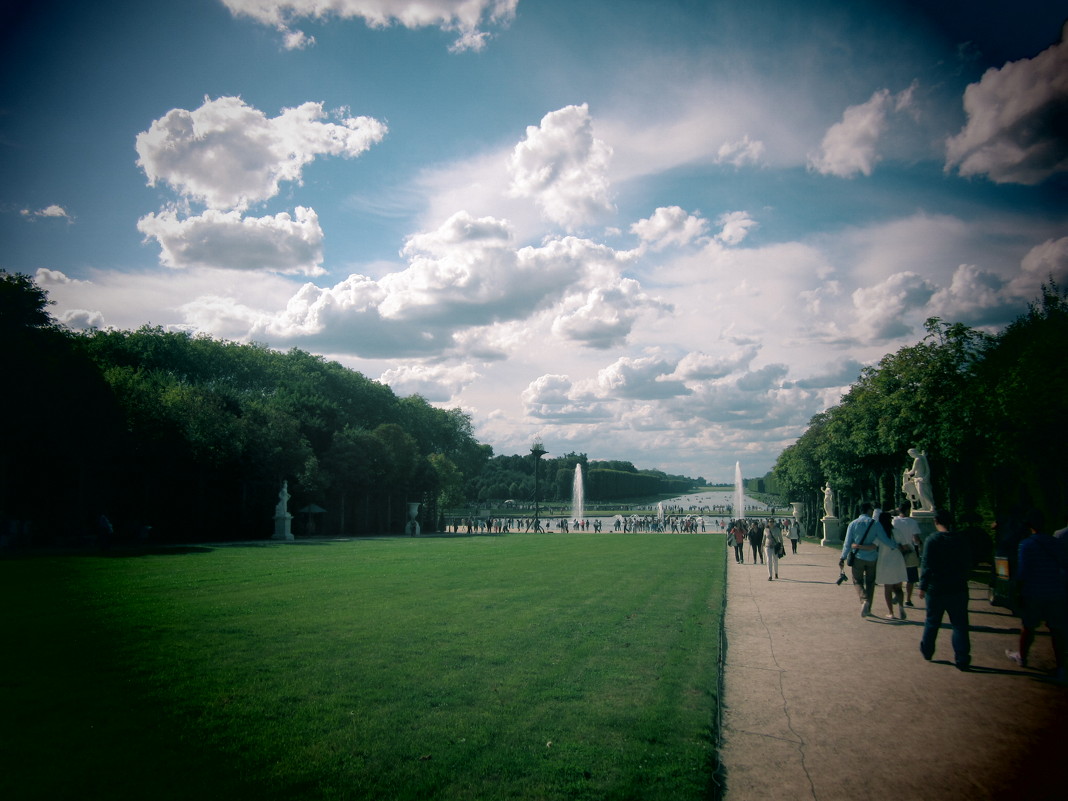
x=926 y=521
x=282 y=525
x=832 y=532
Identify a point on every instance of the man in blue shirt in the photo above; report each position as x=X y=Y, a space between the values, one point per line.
x=947 y=561
x=862 y=538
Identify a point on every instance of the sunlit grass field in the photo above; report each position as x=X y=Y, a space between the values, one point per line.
x=518 y=667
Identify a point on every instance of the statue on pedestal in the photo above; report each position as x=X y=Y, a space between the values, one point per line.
x=282 y=517
x=916 y=482
x=828 y=501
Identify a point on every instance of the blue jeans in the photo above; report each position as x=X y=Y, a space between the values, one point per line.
x=956 y=606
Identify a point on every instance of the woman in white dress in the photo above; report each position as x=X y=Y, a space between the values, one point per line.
x=890 y=569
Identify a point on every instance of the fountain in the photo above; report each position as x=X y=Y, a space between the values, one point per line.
x=739 y=496
x=578 y=496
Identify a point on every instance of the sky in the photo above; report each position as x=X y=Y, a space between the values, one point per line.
x=653 y=230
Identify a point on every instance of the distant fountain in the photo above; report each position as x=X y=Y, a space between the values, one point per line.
x=739 y=496
x=578 y=496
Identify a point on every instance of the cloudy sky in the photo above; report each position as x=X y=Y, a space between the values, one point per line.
x=653 y=230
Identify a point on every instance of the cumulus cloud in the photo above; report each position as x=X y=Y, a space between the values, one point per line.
x=670 y=226
x=465 y=274
x=841 y=374
x=605 y=316
x=1017 y=128
x=229 y=155
x=53 y=211
x=563 y=168
x=882 y=312
x=463 y=17
x=643 y=378
x=699 y=366
x=553 y=398
x=279 y=243
x=437 y=383
x=849 y=146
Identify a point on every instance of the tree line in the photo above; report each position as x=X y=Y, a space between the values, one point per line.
x=183 y=437
x=988 y=409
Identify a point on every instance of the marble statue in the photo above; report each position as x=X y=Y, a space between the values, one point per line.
x=828 y=502
x=282 y=509
x=916 y=482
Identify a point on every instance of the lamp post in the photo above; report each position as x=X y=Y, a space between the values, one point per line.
x=537 y=451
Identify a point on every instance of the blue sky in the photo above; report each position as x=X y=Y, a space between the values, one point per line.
x=668 y=232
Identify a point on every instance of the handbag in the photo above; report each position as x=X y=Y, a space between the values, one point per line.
x=852 y=556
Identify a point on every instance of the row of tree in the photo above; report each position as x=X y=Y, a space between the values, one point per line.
x=989 y=410
x=176 y=436
x=512 y=478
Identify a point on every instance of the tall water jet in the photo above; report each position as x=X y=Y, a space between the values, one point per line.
x=739 y=496
x=578 y=496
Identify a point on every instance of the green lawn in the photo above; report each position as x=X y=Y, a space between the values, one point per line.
x=519 y=667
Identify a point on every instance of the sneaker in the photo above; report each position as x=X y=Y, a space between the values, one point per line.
x=901 y=610
x=865 y=609
x=908 y=603
x=1014 y=656
x=891 y=616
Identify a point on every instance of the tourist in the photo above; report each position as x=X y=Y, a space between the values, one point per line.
x=794 y=535
x=890 y=568
x=862 y=539
x=737 y=535
x=947 y=561
x=756 y=537
x=907 y=529
x=772 y=541
x=1042 y=592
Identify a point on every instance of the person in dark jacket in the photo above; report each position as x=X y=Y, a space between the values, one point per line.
x=944 y=570
x=1040 y=574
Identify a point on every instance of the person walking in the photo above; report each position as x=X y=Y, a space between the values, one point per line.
x=944 y=569
x=738 y=538
x=755 y=537
x=794 y=535
x=890 y=568
x=1041 y=566
x=772 y=543
x=907 y=529
x=862 y=542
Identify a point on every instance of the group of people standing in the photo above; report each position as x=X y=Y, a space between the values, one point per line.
x=766 y=539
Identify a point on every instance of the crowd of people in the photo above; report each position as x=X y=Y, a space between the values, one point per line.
x=766 y=539
x=885 y=548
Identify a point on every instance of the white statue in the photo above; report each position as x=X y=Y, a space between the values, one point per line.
x=828 y=502
x=282 y=509
x=916 y=483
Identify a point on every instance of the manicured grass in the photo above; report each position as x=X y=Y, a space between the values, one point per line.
x=520 y=667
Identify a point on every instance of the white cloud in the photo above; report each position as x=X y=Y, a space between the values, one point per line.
x=604 y=317
x=463 y=17
x=883 y=311
x=699 y=366
x=740 y=152
x=735 y=226
x=849 y=146
x=563 y=168
x=54 y=211
x=643 y=378
x=437 y=383
x=670 y=226
x=281 y=243
x=553 y=398
x=1016 y=130
x=229 y=155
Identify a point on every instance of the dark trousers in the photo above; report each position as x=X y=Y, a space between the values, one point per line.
x=793 y=545
x=864 y=579
x=956 y=606
x=757 y=551
x=739 y=552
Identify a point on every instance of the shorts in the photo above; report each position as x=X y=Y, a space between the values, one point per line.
x=913 y=574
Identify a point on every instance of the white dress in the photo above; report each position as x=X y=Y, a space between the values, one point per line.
x=890 y=569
